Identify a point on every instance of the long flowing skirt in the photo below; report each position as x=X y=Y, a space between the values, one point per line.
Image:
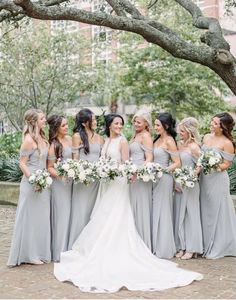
x=109 y=253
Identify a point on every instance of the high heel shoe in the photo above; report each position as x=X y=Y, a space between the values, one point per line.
x=179 y=254
x=189 y=255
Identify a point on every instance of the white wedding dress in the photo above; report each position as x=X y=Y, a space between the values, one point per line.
x=109 y=254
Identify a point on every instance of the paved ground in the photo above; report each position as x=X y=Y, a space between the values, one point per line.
x=38 y=282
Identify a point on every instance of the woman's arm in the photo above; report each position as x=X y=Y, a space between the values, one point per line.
x=26 y=147
x=148 y=147
x=51 y=161
x=229 y=148
x=76 y=142
x=172 y=147
x=124 y=148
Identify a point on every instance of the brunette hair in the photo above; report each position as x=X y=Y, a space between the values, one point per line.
x=168 y=122
x=82 y=117
x=54 y=123
x=109 y=119
x=227 y=125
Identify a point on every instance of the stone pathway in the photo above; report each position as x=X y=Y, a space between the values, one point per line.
x=38 y=282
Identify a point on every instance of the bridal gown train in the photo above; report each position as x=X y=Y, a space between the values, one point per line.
x=109 y=254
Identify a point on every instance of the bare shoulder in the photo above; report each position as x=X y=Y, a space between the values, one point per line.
x=99 y=138
x=179 y=145
x=51 y=150
x=194 y=147
x=124 y=141
x=76 y=137
x=207 y=137
x=68 y=138
x=28 y=143
x=170 y=142
x=228 y=146
x=146 y=136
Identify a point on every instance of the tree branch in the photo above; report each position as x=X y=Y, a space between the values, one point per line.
x=131 y=9
x=213 y=37
x=115 y=4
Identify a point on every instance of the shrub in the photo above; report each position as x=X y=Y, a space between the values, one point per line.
x=232 y=177
x=10 y=170
x=10 y=144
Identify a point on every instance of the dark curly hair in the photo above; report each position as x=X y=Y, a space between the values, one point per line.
x=54 y=123
x=168 y=122
x=83 y=116
x=227 y=125
x=109 y=119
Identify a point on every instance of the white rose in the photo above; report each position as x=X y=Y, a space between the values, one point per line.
x=38 y=172
x=159 y=174
x=122 y=168
x=146 y=178
x=82 y=176
x=212 y=161
x=49 y=180
x=65 y=167
x=178 y=180
x=32 y=178
x=71 y=173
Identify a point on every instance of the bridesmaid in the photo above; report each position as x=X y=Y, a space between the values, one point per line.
x=165 y=151
x=187 y=229
x=31 y=235
x=217 y=210
x=86 y=146
x=141 y=148
x=60 y=147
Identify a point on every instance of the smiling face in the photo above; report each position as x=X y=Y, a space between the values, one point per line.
x=116 y=126
x=215 y=125
x=63 y=129
x=41 y=122
x=140 y=124
x=159 y=127
x=183 y=133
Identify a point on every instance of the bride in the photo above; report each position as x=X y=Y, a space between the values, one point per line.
x=109 y=254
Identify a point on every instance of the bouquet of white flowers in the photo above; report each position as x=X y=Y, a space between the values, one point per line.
x=209 y=160
x=128 y=169
x=66 y=168
x=107 y=168
x=150 y=171
x=40 y=179
x=185 y=176
x=85 y=172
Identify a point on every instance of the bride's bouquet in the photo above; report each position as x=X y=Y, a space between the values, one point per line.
x=107 y=168
x=66 y=168
x=128 y=169
x=150 y=171
x=40 y=179
x=209 y=161
x=186 y=177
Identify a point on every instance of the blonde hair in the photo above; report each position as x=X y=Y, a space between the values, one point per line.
x=31 y=126
x=191 y=125
x=146 y=115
